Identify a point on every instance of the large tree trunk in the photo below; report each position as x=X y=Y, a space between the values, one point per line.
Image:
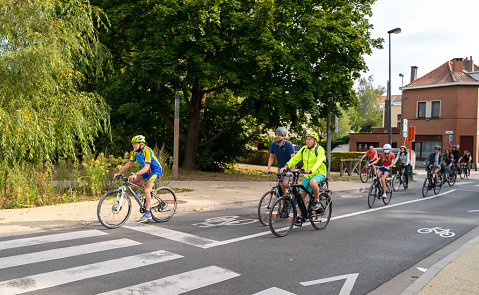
x=196 y=112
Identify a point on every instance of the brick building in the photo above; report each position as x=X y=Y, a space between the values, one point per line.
x=443 y=102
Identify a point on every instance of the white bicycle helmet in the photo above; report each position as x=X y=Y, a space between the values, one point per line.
x=387 y=146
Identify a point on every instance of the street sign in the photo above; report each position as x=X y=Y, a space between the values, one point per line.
x=450 y=139
x=404 y=128
x=411 y=134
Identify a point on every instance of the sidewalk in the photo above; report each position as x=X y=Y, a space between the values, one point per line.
x=458 y=274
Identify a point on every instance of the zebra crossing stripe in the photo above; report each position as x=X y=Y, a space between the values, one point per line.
x=50 y=239
x=174 y=235
x=24 y=259
x=180 y=283
x=64 y=276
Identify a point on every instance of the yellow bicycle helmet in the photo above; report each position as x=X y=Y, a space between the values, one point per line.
x=313 y=135
x=138 y=138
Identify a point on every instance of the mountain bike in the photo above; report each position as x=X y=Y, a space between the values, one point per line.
x=268 y=199
x=430 y=183
x=114 y=207
x=282 y=214
x=400 y=178
x=376 y=190
x=366 y=173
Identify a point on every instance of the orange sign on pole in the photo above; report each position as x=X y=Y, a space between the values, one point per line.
x=411 y=136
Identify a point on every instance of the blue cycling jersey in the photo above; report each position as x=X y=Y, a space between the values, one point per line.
x=147 y=156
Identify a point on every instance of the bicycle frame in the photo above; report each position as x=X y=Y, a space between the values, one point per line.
x=126 y=184
x=305 y=211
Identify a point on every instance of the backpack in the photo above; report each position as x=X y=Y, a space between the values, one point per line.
x=316 y=153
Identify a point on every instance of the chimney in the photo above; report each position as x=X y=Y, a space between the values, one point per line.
x=413 y=73
x=468 y=65
x=457 y=65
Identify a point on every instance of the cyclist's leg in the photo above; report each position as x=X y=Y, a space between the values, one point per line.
x=383 y=181
x=150 y=182
x=138 y=181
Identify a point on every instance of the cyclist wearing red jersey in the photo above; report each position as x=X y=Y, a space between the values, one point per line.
x=388 y=161
x=372 y=156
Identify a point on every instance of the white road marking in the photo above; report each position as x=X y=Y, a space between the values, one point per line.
x=274 y=291
x=50 y=239
x=470 y=211
x=173 y=235
x=421 y=269
x=208 y=243
x=462 y=183
x=180 y=283
x=64 y=276
x=59 y=253
x=347 y=287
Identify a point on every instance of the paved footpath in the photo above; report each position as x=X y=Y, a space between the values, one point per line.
x=458 y=273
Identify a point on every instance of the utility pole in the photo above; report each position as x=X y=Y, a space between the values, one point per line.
x=176 y=137
x=328 y=144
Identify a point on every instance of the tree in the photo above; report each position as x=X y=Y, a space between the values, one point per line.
x=46 y=47
x=278 y=59
x=367 y=113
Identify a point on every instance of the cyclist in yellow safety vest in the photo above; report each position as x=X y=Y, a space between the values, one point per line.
x=314 y=158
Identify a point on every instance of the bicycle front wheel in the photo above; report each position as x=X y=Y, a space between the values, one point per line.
x=264 y=206
x=389 y=192
x=364 y=174
x=405 y=182
x=425 y=187
x=320 y=218
x=396 y=182
x=163 y=204
x=462 y=173
x=372 y=194
x=282 y=216
x=437 y=187
x=114 y=208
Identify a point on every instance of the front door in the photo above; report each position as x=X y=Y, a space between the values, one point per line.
x=466 y=144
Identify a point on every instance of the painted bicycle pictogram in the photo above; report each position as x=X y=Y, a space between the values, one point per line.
x=224 y=220
x=442 y=232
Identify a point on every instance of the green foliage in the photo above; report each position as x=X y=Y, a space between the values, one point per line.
x=279 y=60
x=367 y=114
x=46 y=48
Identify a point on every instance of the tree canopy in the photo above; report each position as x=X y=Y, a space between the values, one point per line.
x=46 y=48
x=277 y=60
x=366 y=114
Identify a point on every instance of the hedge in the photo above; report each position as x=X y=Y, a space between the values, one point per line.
x=261 y=158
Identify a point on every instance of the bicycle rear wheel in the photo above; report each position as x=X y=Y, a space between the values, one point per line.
x=320 y=218
x=114 y=208
x=451 y=179
x=264 y=206
x=364 y=174
x=396 y=182
x=372 y=194
x=163 y=204
x=282 y=216
x=425 y=187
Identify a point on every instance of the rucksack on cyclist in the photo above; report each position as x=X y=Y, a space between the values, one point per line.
x=326 y=161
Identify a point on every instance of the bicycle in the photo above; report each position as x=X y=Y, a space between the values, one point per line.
x=430 y=183
x=268 y=198
x=449 y=177
x=366 y=173
x=400 y=178
x=282 y=214
x=376 y=190
x=463 y=171
x=114 y=206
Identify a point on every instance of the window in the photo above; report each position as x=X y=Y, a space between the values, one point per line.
x=436 y=109
x=364 y=146
x=421 y=109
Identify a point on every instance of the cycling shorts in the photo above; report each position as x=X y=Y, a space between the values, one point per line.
x=318 y=177
x=150 y=176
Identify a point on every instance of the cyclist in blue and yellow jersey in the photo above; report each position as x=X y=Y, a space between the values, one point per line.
x=314 y=158
x=150 y=170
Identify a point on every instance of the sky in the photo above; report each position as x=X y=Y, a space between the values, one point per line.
x=432 y=32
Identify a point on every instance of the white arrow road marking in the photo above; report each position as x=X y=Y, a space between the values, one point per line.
x=347 y=287
x=421 y=269
x=274 y=291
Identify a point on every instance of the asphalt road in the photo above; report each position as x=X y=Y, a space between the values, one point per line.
x=230 y=252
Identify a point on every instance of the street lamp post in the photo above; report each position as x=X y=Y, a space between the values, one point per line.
x=393 y=31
